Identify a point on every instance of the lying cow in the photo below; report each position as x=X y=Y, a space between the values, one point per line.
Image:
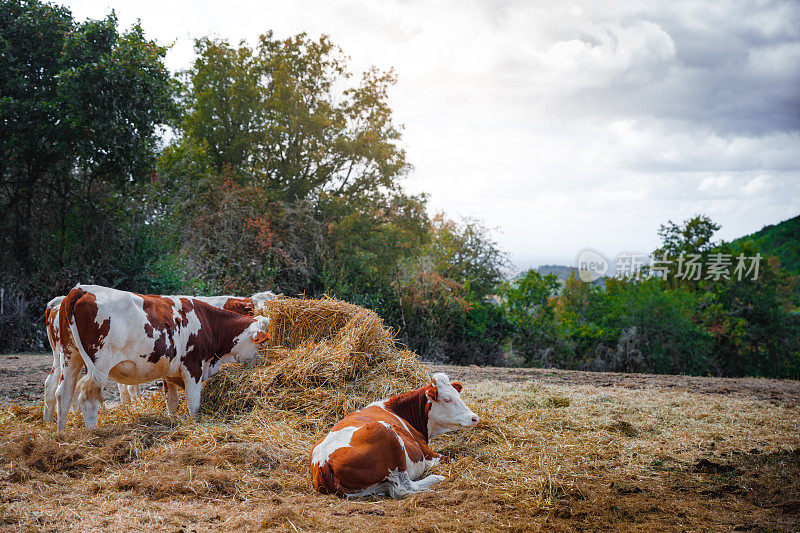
x=127 y=393
x=383 y=448
x=134 y=339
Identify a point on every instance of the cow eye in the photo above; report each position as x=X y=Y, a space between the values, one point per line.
x=447 y=400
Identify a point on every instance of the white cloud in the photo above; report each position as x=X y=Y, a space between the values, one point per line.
x=565 y=125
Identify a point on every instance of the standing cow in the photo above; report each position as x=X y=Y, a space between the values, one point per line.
x=52 y=380
x=383 y=448
x=127 y=393
x=134 y=339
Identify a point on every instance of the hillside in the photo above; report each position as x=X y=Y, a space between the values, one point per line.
x=781 y=240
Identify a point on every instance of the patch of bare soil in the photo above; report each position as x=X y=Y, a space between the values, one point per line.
x=776 y=391
x=22 y=376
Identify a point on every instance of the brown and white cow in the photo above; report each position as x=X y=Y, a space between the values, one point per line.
x=134 y=338
x=242 y=305
x=238 y=304
x=127 y=393
x=52 y=380
x=383 y=448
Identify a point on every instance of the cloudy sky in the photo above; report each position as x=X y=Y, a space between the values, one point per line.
x=586 y=124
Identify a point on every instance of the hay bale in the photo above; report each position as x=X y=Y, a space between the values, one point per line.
x=325 y=359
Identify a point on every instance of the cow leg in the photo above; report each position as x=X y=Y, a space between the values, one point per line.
x=398 y=485
x=50 y=386
x=171 y=394
x=401 y=485
x=70 y=373
x=89 y=399
x=192 y=389
x=124 y=395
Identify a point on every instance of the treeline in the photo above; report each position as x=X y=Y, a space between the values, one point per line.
x=283 y=171
x=710 y=322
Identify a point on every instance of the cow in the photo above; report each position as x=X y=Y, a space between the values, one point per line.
x=383 y=448
x=244 y=305
x=238 y=304
x=127 y=393
x=133 y=338
x=52 y=380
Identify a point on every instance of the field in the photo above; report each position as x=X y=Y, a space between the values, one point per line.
x=555 y=450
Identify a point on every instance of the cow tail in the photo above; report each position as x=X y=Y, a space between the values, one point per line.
x=91 y=369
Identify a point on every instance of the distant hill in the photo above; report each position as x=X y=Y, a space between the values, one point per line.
x=562 y=272
x=781 y=240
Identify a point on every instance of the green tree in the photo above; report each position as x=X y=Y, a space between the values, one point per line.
x=679 y=242
x=284 y=115
x=80 y=104
x=80 y=107
x=529 y=305
x=755 y=323
x=467 y=253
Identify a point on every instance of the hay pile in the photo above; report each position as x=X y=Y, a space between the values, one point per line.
x=325 y=359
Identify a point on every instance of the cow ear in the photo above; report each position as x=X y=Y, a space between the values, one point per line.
x=432 y=393
x=260 y=337
x=457 y=385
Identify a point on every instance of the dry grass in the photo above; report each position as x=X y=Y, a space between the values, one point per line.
x=326 y=358
x=543 y=456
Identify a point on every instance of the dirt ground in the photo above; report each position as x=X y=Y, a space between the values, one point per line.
x=22 y=379
x=775 y=391
x=589 y=452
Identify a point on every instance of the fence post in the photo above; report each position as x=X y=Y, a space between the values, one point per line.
x=2 y=299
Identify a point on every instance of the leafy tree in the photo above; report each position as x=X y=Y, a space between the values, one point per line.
x=441 y=323
x=529 y=305
x=466 y=253
x=694 y=236
x=655 y=328
x=755 y=323
x=283 y=114
x=370 y=241
x=81 y=105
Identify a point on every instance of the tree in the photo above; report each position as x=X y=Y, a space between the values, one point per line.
x=755 y=323
x=284 y=115
x=529 y=305
x=80 y=108
x=466 y=253
x=693 y=237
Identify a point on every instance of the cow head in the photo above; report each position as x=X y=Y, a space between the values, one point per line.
x=251 y=339
x=261 y=298
x=259 y=329
x=447 y=410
